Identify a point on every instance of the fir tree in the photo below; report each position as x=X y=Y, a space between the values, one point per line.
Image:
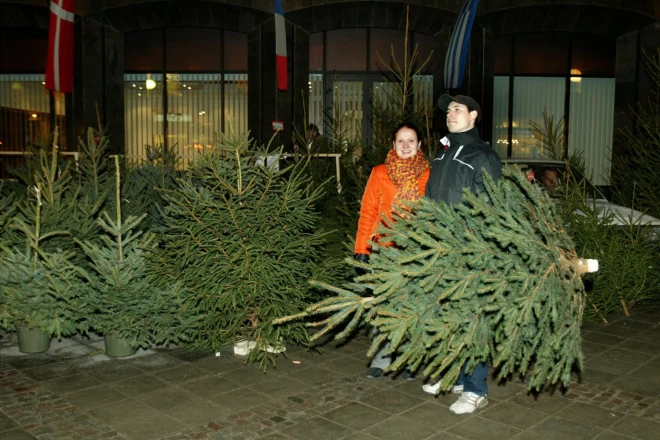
x=240 y=238
x=125 y=302
x=143 y=189
x=40 y=288
x=635 y=177
x=494 y=278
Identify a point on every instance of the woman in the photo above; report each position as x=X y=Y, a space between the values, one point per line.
x=402 y=177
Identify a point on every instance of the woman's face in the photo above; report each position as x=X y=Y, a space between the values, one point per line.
x=405 y=143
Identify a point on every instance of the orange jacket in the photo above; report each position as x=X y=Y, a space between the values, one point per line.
x=377 y=199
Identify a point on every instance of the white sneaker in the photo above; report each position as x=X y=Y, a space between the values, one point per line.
x=434 y=388
x=468 y=403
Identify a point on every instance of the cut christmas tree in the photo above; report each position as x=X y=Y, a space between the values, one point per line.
x=241 y=239
x=495 y=278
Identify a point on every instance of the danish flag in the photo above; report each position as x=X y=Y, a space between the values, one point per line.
x=59 y=69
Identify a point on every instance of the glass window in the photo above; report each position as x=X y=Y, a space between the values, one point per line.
x=542 y=54
x=348 y=108
x=380 y=50
x=501 y=115
x=143 y=51
x=316 y=51
x=193 y=49
x=236 y=51
x=426 y=45
x=25 y=112
x=530 y=96
x=593 y=55
x=502 y=48
x=591 y=125
x=315 y=108
x=143 y=113
x=14 y=58
x=236 y=100
x=347 y=49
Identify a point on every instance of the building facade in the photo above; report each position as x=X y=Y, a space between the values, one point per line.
x=181 y=73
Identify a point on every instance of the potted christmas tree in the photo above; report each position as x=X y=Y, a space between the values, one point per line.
x=42 y=291
x=41 y=274
x=127 y=309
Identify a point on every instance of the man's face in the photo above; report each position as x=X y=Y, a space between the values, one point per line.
x=459 y=119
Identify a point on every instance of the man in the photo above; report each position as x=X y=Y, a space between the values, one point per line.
x=459 y=165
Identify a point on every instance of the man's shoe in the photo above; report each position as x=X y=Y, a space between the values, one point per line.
x=468 y=403
x=407 y=375
x=374 y=373
x=434 y=388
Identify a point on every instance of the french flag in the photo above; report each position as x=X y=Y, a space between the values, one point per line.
x=280 y=48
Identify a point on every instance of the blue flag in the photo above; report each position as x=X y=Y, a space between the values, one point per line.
x=458 y=45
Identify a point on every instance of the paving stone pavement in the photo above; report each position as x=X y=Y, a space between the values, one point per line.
x=75 y=391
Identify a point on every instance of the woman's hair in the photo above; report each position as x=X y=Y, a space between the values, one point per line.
x=409 y=125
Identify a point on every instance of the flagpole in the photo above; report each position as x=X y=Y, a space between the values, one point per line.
x=52 y=116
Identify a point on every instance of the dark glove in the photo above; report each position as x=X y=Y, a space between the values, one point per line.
x=362 y=258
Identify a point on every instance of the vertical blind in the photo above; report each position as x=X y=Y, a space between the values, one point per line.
x=315 y=106
x=591 y=124
x=530 y=96
x=348 y=112
x=25 y=112
x=199 y=108
x=143 y=114
x=501 y=115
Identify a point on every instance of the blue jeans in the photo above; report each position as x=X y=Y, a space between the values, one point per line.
x=475 y=382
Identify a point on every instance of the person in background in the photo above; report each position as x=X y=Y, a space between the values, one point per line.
x=403 y=176
x=456 y=167
x=550 y=178
x=314 y=139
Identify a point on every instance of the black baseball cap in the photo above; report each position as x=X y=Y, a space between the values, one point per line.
x=471 y=104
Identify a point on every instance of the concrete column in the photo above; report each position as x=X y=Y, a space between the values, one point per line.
x=98 y=82
x=265 y=102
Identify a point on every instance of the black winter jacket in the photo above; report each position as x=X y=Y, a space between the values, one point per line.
x=460 y=167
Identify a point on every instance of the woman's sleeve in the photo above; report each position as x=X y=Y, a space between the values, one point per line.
x=368 y=215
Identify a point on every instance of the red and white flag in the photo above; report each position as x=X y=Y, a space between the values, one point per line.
x=280 y=48
x=59 y=69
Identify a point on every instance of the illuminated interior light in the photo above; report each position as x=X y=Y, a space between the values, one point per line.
x=34 y=115
x=575 y=75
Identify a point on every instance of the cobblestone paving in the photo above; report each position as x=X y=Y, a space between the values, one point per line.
x=45 y=415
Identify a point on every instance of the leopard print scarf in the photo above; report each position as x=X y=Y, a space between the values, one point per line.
x=405 y=173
